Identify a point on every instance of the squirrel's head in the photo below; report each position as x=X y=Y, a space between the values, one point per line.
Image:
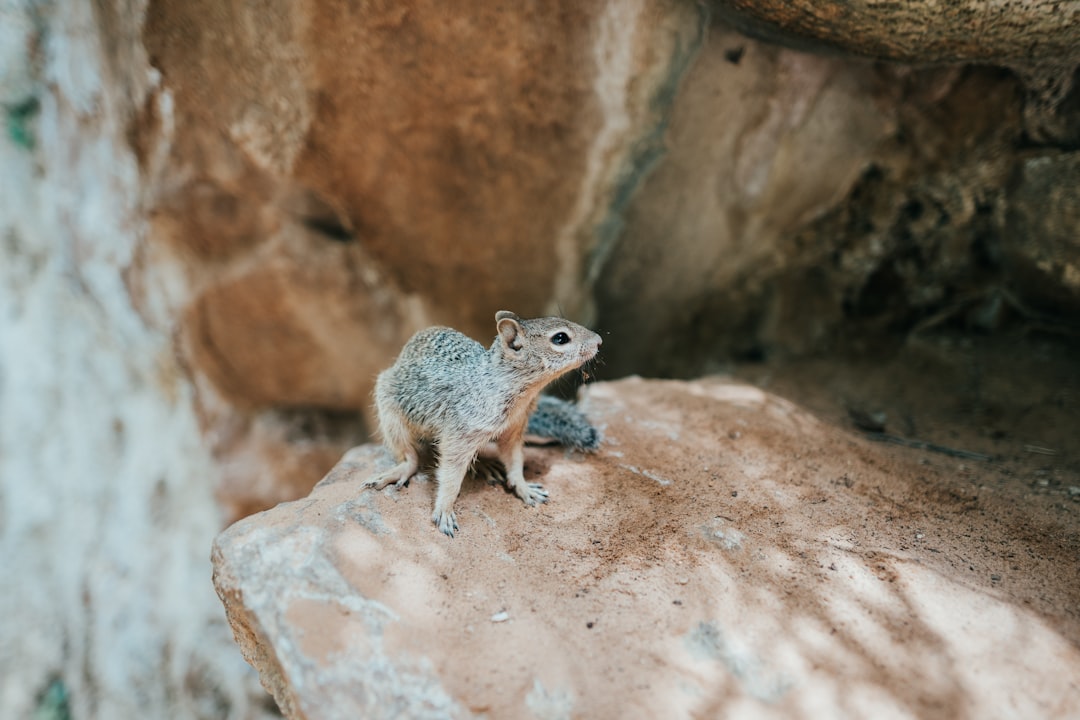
x=548 y=346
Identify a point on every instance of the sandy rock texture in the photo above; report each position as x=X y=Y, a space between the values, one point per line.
x=922 y=31
x=107 y=487
x=219 y=220
x=361 y=172
x=365 y=171
x=1048 y=229
x=332 y=177
x=725 y=553
x=804 y=200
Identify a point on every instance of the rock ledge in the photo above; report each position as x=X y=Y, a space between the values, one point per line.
x=724 y=553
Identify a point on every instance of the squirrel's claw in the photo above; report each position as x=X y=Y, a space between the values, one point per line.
x=488 y=469
x=531 y=494
x=446 y=522
x=399 y=475
x=393 y=477
x=379 y=482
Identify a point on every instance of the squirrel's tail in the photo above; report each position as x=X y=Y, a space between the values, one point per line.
x=557 y=421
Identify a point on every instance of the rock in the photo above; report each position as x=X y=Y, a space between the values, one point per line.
x=107 y=484
x=335 y=178
x=220 y=220
x=750 y=123
x=415 y=150
x=684 y=570
x=904 y=220
x=1044 y=214
x=332 y=178
x=922 y=31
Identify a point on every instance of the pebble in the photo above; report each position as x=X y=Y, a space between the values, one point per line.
x=501 y=616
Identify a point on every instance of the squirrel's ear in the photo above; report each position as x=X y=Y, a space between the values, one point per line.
x=509 y=329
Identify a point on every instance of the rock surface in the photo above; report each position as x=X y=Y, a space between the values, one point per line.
x=219 y=220
x=331 y=178
x=724 y=554
x=377 y=160
x=1048 y=249
x=106 y=481
x=335 y=177
x=920 y=31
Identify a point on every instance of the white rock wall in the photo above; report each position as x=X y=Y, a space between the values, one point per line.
x=106 y=493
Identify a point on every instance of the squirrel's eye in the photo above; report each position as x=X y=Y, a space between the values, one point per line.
x=560 y=338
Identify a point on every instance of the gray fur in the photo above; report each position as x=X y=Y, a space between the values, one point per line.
x=558 y=421
x=448 y=389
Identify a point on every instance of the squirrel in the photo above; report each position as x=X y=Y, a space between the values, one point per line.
x=447 y=388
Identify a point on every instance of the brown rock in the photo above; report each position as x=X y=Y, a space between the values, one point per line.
x=272 y=336
x=922 y=31
x=1044 y=221
x=458 y=145
x=332 y=177
x=724 y=554
x=762 y=140
x=277 y=455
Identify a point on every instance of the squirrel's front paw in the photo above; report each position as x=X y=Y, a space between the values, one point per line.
x=446 y=522
x=531 y=493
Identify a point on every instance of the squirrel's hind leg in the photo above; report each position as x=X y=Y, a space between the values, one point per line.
x=398 y=437
x=399 y=475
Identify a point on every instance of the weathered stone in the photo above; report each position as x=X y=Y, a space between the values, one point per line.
x=724 y=554
x=456 y=146
x=274 y=336
x=890 y=211
x=106 y=482
x=270 y=457
x=920 y=31
x=1044 y=223
x=219 y=220
x=762 y=140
